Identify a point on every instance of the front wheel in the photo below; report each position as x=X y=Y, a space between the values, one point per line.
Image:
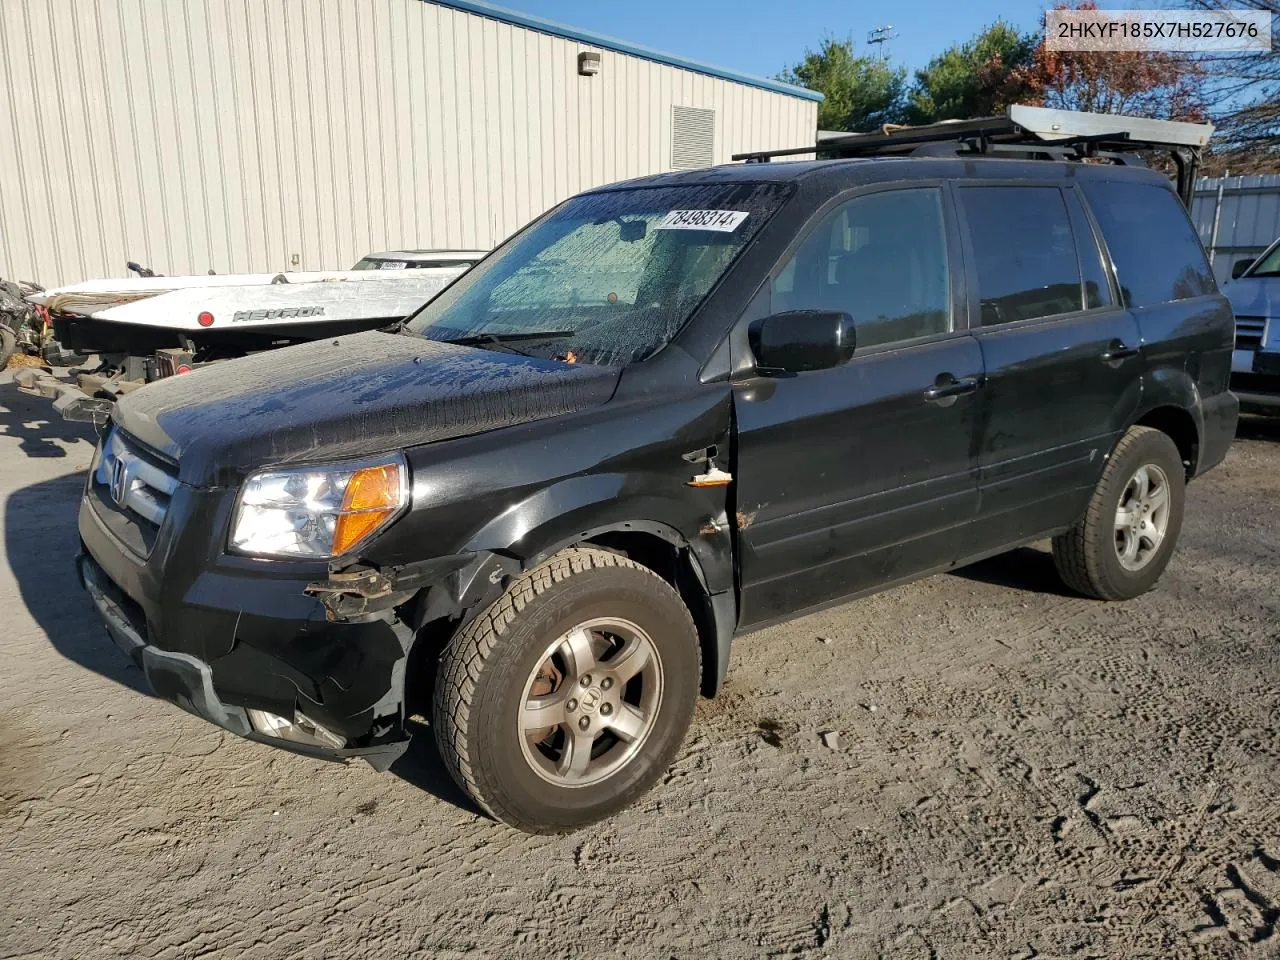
x=1121 y=546
x=565 y=700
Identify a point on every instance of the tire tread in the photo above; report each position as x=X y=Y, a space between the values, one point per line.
x=1077 y=552
x=463 y=659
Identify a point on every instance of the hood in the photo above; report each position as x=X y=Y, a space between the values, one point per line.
x=1254 y=296
x=355 y=396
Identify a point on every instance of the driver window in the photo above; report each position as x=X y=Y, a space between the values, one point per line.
x=881 y=258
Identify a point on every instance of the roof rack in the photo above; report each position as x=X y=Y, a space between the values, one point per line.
x=1035 y=132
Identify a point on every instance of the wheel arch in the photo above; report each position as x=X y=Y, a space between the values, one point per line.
x=668 y=553
x=1171 y=404
x=1181 y=427
x=594 y=511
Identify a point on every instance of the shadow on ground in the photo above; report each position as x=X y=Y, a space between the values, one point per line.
x=41 y=541
x=423 y=767
x=1027 y=568
x=39 y=429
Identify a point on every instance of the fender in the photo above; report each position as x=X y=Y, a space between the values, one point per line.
x=1169 y=386
x=577 y=508
x=580 y=508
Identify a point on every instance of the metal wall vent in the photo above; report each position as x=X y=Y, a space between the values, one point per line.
x=693 y=137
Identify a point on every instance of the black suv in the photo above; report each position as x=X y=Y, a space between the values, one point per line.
x=667 y=412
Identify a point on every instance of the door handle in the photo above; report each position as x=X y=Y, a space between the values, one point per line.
x=1118 y=351
x=951 y=388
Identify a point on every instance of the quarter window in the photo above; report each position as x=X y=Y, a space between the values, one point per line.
x=1097 y=288
x=1024 y=252
x=882 y=258
x=1156 y=252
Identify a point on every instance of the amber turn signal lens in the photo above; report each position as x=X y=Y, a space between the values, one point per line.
x=372 y=498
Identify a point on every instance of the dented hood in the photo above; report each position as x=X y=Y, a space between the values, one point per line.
x=355 y=396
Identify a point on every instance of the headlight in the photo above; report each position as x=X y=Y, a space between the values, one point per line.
x=319 y=511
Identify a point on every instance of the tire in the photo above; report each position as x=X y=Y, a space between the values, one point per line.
x=583 y=607
x=8 y=344
x=1097 y=556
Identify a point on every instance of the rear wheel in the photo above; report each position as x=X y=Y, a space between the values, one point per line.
x=570 y=696
x=1122 y=545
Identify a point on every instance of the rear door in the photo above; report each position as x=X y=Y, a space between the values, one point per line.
x=860 y=475
x=1166 y=281
x=1062 y=358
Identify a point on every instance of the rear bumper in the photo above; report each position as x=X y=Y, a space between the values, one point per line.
x=1219 y=416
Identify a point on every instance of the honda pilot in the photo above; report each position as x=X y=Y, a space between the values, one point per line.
x=668 y=412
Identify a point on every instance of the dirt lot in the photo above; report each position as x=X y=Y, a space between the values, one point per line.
x=1018 y=773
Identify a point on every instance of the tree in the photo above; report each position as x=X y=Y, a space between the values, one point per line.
x=1144 y=83
x=971 y=79
x=862 y=93
x=1242 y=92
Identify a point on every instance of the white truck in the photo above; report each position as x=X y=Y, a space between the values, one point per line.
x=1254 y=292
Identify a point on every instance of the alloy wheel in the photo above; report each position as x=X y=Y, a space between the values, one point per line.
x=590 y=703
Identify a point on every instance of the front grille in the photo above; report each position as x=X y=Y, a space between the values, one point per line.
x=131 y=490
x=1250 y=332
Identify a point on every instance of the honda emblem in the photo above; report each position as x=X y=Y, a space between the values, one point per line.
x=119 y=481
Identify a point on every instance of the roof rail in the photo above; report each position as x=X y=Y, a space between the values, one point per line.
x=1035 y=132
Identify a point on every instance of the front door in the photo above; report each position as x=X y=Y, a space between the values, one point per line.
x=857 y=476
x=1062 y=359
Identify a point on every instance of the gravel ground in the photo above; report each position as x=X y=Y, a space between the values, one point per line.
x=1015 y=773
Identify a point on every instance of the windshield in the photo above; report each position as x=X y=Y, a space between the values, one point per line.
x=606 y=278
x=1268 y=264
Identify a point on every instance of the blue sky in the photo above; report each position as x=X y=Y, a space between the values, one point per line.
x=763 y=36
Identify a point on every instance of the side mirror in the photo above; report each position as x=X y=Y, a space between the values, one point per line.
x=1239 y=267
x=800 y=340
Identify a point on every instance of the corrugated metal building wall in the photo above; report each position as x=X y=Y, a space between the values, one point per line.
x=234 y=135
x=1238 y=217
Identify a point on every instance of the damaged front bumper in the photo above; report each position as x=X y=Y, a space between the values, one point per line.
x=242 y=644
x=187 y=682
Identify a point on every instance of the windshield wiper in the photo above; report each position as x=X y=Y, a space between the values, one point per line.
x=506 y=339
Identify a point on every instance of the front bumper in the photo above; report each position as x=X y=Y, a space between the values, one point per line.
x=224 y=643
x=1255 y=380
x=188 y=682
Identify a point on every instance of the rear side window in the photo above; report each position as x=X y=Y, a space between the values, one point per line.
x=1024 y=251
x=881 y=258
x=1157 y=255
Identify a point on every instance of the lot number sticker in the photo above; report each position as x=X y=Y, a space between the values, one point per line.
x=722 y=221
